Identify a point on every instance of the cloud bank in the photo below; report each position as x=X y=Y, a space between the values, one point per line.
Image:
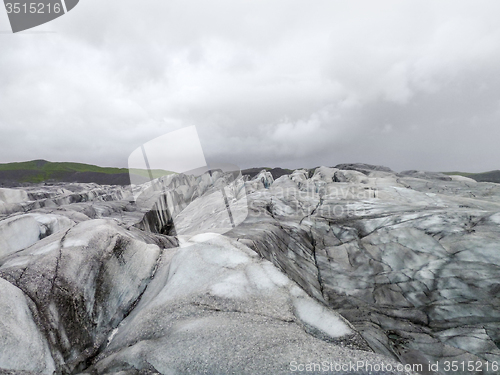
x=410 y=85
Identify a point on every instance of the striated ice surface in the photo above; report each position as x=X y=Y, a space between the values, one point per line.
x=24 y=347
x=345 y=264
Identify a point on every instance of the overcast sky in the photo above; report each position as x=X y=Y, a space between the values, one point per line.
x=406 y=84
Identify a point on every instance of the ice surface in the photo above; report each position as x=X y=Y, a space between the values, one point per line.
x=23 y=346
x=404 y=264
x=12 y=195
x=320 y=317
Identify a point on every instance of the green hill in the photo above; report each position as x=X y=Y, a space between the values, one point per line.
x=37 y=171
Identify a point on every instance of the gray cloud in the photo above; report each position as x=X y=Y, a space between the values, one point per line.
x=411 y=85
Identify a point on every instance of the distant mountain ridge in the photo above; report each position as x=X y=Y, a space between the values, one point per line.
x=275 y=172
x=491 y=176
x=37 y=171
